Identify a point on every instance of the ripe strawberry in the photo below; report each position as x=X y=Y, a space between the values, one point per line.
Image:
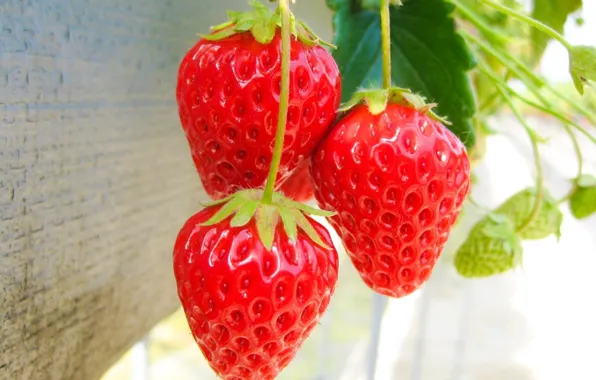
x=250 y=308
x=397 y=179
x=299 y=185
x=228 y=98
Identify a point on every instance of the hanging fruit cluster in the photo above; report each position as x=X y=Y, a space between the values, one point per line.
x=259 y=101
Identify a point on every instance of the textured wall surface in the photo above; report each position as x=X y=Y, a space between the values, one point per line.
x=95 y=179
x=95 y=176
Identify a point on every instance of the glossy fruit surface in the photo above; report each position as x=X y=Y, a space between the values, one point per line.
x=250 y=308
x=397 y=181
x=228 y=98
x=299 y=186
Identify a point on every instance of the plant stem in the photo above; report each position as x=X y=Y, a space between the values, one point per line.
x=478 y=22
x=515 y=66
x=580 y=164
x=547 y=108
x=284 y=99
x=530 y=21
x=539 y=171
x=526 y=75
x=386 y=41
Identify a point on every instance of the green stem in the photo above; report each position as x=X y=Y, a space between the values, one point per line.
x=530 y=79
x=536 y=151
x=516 y=66
x=530 y=21
x=566 y=123
x=284 y=99
x=547 y=108
x=478 y=22
x=580 y=164
x=386 y=41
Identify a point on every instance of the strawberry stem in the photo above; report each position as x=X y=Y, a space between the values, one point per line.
x=530 y=21
x=386 y=41
x=533 y=140
x=284 y=99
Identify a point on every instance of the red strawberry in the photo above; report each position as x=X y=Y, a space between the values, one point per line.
x=228 y=96
x=397 y=180
x=299 y=185
x=250 y=308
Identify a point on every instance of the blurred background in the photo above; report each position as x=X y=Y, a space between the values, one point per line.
x=75 y=94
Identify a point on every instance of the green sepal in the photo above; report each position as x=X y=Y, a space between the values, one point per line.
x=583 y=200
x=280 y=199
x=519 y=207
x=263 y=24
x=244 y=214
x=289 y=221
x=216 y=202
x=307 y=227
x=267 y=217
x=582 y=66
x=247 y=205
x=377 y=100
x=225 y=211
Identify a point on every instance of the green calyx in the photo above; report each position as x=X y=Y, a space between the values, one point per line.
x=245 y=205
x=378 y=99
x=263 y=24
x=583 y=199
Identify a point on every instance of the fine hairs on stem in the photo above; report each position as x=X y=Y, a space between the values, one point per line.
x=386 y=41
x=284 y=99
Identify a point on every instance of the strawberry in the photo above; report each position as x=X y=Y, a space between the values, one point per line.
x=228 y=96
x=299 y=185
x=397 y=179
x=252 y=290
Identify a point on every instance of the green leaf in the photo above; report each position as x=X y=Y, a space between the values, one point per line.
x=244 y=213
x=306 y=226
x=582 y=66
x=583 y=200
x=519 y=207
x=553 y=13
x=427 y=54
x=492 y=247
x=267 y=217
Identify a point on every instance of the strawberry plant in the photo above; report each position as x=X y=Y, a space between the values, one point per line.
x=391 y=168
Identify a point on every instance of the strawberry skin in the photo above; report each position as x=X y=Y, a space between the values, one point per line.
x=249 y=308
x=299 y=185
x=397 y=181
x=228 y=99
